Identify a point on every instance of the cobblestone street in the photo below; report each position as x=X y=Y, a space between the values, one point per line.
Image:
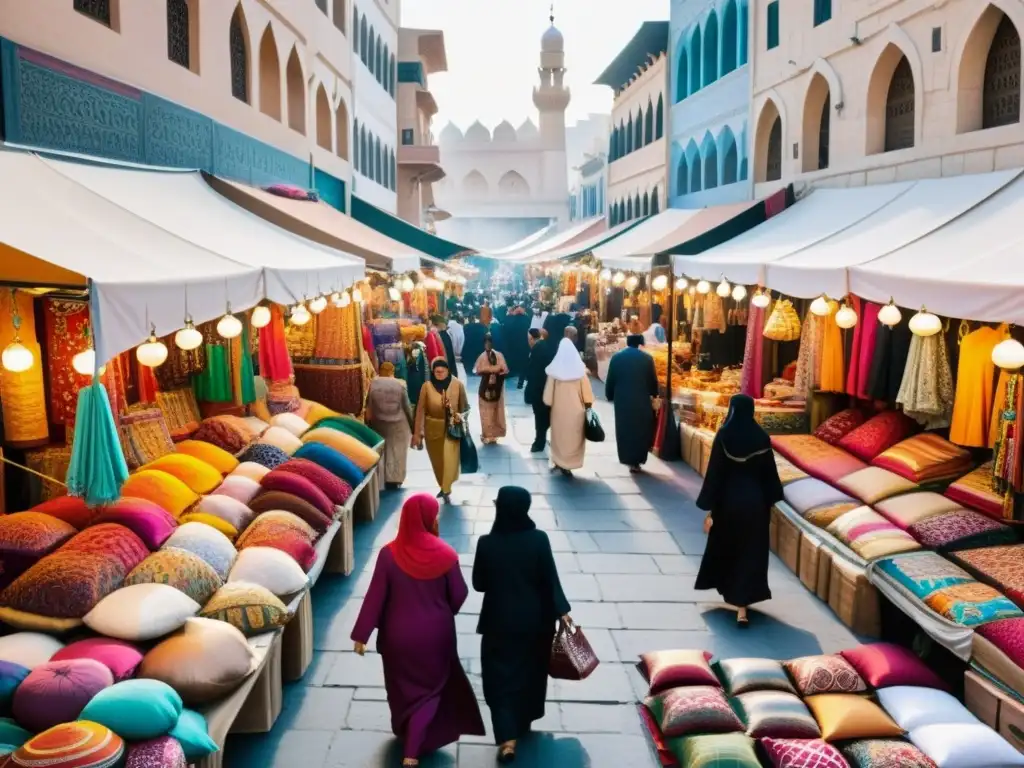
x=628 y=548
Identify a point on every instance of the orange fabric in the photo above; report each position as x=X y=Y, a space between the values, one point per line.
x=832 y=374
x=972 y=407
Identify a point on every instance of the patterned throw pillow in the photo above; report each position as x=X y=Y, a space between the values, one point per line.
x=974 y=490
x=336 y=489
x=788 y=472
x=161 y=752
x=777 y=715
x=278 y=519
x=746 y=675
x=1008 y=636
x=878 y=434
x=212 y=546
x=728 y=750
x=925 y=458
x=64 y=585
x=885 y=753
x=669 y=669
x=252 y=609
x=923 y=572
x=961 y=529
x=81 y=744
x=836 y=427
x=27 y=536
x=971 y=604
x=827 y=514
x=802 y=753
x=848 y=716
x=691 y=710
x=180 y=569
x=265 y=455
x=110 y=540
x=824 y=674
x=1003 y=567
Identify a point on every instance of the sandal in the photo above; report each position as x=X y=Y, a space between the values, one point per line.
x=506 y=754
x=410 y=761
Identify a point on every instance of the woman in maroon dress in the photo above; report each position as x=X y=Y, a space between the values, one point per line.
x=416 y=590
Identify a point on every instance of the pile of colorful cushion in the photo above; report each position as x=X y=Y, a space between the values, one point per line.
x=876 y=706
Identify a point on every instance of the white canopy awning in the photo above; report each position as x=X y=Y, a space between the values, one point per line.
x=585 y=244
x=819 y=215
x=923 y=208
x=54 y=232
x=182 y=203
x=970 y=268
x=565 y=237
x=520 y=245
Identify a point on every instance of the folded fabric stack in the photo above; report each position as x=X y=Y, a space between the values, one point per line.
x=975 y=490
x=925 y=458
x=812 y=712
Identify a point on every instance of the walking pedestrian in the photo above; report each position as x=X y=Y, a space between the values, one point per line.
x=569 y=395
x=740 y=487
x=442 y=402
x=541 y=354
x=492 y=369
x=390 y=413
x=515 y=570
x=457 y=334
x=416 y=590
x=631 y=384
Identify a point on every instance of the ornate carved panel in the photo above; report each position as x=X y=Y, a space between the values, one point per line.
x=178 y=32
x=899 y=108
x=96 y=9
x=1001 y=93
x=239 y=56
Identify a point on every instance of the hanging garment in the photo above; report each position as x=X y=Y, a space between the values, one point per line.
x=926 y=392
x=809 y=357
x=275 y=363
x=889 y=360
x=972 y=408
x=23 y=394
x=67 y=333
x=832 y=362
x=753 y=353
x=869 y=334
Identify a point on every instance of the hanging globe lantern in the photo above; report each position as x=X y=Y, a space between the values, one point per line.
x=394 y=294
x=846 y=317
x=724 y=289
x=632 y=282
x=820 y=306
x=618 y=278
x=407 y=284
x=703 y=287
x=924 y=323
x=357 y=295
x=84 y=363
x=153 y=352
x=660 y=283
x=188 y=338
x=1008 y=355
x=681 y=284
x=318 y=305
x=260 y=317
x=761 y=299
x=300 y=315
x=890 y=314
x=739 y=293
x=346 y=299
x=606 y=274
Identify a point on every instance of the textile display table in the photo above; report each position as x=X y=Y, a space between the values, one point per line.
x=603 y=351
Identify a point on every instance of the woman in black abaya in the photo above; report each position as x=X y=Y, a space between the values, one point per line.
x=740 y=487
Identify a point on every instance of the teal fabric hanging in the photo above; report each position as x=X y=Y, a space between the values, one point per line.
x=248 y=381
x=98 y=469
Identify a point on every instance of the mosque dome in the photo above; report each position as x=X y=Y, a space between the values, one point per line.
x=552 y=41
x=505 y=132
x=478 y=133
x=451 y=134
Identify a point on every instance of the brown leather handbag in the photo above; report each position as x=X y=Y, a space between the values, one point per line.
x=572 y=657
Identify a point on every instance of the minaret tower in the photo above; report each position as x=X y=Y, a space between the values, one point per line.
x=551 y=98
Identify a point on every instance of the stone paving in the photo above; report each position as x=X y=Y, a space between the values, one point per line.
x=627 y=548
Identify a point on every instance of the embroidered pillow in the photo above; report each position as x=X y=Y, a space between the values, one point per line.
x=210 y=545
x=277 y=521
x=297 y=485
x=81 y=744
x=878 y=434
x=57 y=692
x=250 y=608
x=848 y=716
x=210 y=454
x=27 y=536
x=251 y=470
x=668 y=669
x=974 y=490
x=691 y=710
x=802 y=753
x=883 y=665
x=746 y=675
x=146 y=519
x=824 y=674
x=721 y=750
x=359 y=454
x=282 y=537
x=904 y=511
x=223 y=434
x=161 y=752
x=71 y=509
x=335 y=462
x=280 y=501
x=874 y=484
x=1008 y=636
x=777 y=715
x=961 y=529
x=885 y=753
x=336 y=489
x=265 y=455
x=121 y=658
x=112 y=541
x=836 y=427
x=816 y=457
x=788 y=472
x=196 y=474
x=923 y=572
x=180 y=569
x=64 y=585
x=161 y=488
x=971 y=604
x=238 y=488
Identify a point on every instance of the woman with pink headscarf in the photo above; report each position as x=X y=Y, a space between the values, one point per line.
x=416 y=591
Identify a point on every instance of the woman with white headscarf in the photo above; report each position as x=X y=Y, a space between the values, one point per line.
x=569 y=395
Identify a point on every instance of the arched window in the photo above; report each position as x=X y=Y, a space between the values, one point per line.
x=379 y=160
x=767 y=144
x=379 y=68
x=238 y=50
x=649 y=124
x=744 y=23
x=730 y=38
x=394 y=172
x=387 y=168
x=773 y=170
x=695 y=179
x=647 y=204
x=899 y=108
x=682 y=177
x=695 y=60
x=711 y=49
x=1000 y=100
x=622 y=212
x=612 y=217
x=338 y=15
x=394 y=76
x=366 y=161
x=270 y=75
x=356 y=154
x=364 y=39
x=682 y=75
x=611 y=144
x=743 y=169
x=385 y=75
x=179 y=33
x=730 y=163
x=655 y=205
x=638 y=130
x=371 y=51
x=710 y=164
x=659 y=118
x=341 y=130
x=816 y=120
x=629 y=209
x=636 y=205
x=296 y=93
x=323 y=119
x=355 y=29
x=629 y=135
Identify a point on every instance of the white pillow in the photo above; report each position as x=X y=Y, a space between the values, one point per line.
x=207 y=543
x=270 y=568
x=293 y=423
x=230 y=510
x=141 y=612
x=279 y=437
x=912 y=707
x=809 y=493
x=28 y=649
x=966 y=746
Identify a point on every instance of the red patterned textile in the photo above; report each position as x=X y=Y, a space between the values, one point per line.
x=960 y=529
x=803 y=753
x=67 y=333
x=1002 y=567
x=885 y=753
x=836 y=427
x=975 y=490
x=752 y=376
x=1008 y=636
x=824 y=674
x=878 y=434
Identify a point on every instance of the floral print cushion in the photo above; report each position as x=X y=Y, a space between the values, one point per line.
x=824 y=674
x=777 y=715
x=250 y=608
x=878 y=434
x=691 y=710
x=923 y=573
x=1002 y=567
x=182 y=570
x=961 y=529
x=885 y=753
x=971 y=604
x=746 y=675
x=802 y=753
x=836 y=427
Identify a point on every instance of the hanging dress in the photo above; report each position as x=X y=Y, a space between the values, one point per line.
x=972 y=408
x=832 y=379
x=926 y=392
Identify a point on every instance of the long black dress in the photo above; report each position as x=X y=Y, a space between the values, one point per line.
x=515 y=570
x=515 y=335
x=630 y=385
x=741 y=485
x=449 y=351
x=473 y=346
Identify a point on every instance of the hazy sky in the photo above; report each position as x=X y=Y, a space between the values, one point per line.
x=494 y=51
